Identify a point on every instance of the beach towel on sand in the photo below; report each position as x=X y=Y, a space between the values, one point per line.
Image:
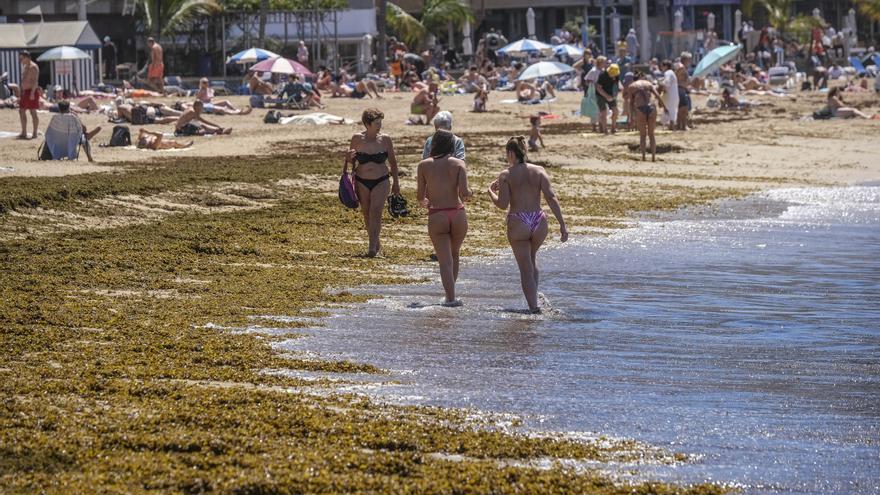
x=589 y=107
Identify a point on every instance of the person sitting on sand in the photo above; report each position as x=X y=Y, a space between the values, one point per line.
x=257 y=85
x=64 y=108
x=360 y=89
x=192 y=123
x=750 y=83
x=730 y=102
x=838 y=106
x=205 y=94
x=442 y=187
x=535 y=133
x=324 y=79
x=481 y=98
x=639 y=94
x=472 y=81
x=369 y=152
x=529 y=91
x=519 y=188
x=426 y=102
x=150 y=140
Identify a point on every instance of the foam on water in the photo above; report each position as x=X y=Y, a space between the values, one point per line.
x=745 y=333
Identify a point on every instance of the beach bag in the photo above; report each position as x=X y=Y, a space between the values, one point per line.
x=139 y=115
x=397 y=206
x=272 y=117
x=823 y=114
x=120 y=137
x=347 y=195
x=589 y=107
x=257 y=101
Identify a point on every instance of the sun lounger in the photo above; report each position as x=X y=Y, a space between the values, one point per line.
x=63 y=138
x=220 y=88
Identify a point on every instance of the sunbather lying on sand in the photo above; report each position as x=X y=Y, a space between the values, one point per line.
x=156 y=141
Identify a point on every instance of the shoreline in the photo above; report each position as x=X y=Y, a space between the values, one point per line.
x=118 y=272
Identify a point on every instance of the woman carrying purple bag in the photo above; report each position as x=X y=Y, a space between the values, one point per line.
x=372 y=156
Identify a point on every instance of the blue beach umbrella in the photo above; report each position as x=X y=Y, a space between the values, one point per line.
x=545 y=69
x=251 y=55
x=715 y=59
x=569 y=50
x=524 y=47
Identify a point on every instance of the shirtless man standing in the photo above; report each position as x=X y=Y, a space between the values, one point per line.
x=29 y=99
x=156 y=68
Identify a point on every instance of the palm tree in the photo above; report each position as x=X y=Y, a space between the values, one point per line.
x=381 y=52
x=264 y=10
x=436 y=16
x=165 y=16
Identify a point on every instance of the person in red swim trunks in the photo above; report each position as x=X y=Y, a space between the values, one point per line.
x=29 y=100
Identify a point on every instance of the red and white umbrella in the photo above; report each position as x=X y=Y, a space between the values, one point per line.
x=281 y=65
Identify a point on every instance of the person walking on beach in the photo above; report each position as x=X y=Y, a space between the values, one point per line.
x=372 y=156
x=519 y=188
x=443 y=189
x=29 y=94
x=638 y=95
x=156 y=67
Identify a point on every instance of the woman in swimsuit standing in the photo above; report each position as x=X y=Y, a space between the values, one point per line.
x=368 y=153
x=519 y=188
x=638 y=93
x=443 y=188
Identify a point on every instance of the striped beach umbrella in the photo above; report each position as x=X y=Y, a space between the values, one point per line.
x=251 y=55
x=525 y=47
x=569 y=50
x=281 y=65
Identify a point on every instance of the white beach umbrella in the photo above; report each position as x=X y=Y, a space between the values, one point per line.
x=251 y=55
x=63 y=53
x=545 y=69
x=467 y=45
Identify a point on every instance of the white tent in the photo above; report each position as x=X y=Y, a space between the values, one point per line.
x=41 y=36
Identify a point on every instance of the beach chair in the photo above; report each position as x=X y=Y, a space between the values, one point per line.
x=175 y=85
x=858 y=66
x=64 y=136
x=220 y=88
x=778 y=76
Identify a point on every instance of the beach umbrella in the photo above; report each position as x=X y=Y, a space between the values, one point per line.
x=63 y=53
x=524 y=47
x=281 y=65
x=530 y=22
x=467 y=45
x=569 y=50
x=251 y=55
x=545 y=69
x=715 y=59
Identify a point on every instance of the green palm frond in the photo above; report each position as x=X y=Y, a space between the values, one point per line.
x=407 y=27
x=870 y=8
x=437 y=14
x=187 y=10
x=172 y=13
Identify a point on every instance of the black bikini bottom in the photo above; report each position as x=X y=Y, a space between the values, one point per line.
x=371 y=183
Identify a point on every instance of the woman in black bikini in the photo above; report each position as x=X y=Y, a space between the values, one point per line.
x=443 y=189
x=368 y=153
x=638 y=94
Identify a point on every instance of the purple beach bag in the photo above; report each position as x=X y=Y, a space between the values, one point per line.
x=346 y=189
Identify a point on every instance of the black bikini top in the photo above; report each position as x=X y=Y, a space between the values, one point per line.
x=379 y=157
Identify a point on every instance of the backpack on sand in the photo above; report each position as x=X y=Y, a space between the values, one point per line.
x=121 y=136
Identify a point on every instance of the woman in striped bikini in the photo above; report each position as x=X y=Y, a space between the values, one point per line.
x=519 y=188
x=443 y=189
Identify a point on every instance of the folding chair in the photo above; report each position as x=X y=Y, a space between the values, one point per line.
x=64 y=136
x=858 y=66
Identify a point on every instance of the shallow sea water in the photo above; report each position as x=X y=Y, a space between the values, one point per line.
x=746 y=333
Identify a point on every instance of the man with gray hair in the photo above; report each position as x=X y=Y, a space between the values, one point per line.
x=443 y=121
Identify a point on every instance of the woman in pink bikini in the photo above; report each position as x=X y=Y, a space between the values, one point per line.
x=443 y=189
x=519 y=188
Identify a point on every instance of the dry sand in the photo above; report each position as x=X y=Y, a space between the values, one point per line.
x=764 y=146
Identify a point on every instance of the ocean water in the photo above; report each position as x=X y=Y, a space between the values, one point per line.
x=746 y=333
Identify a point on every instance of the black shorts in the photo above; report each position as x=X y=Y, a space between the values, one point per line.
x=189 y=129
x=684 y=98
x=605 y=104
